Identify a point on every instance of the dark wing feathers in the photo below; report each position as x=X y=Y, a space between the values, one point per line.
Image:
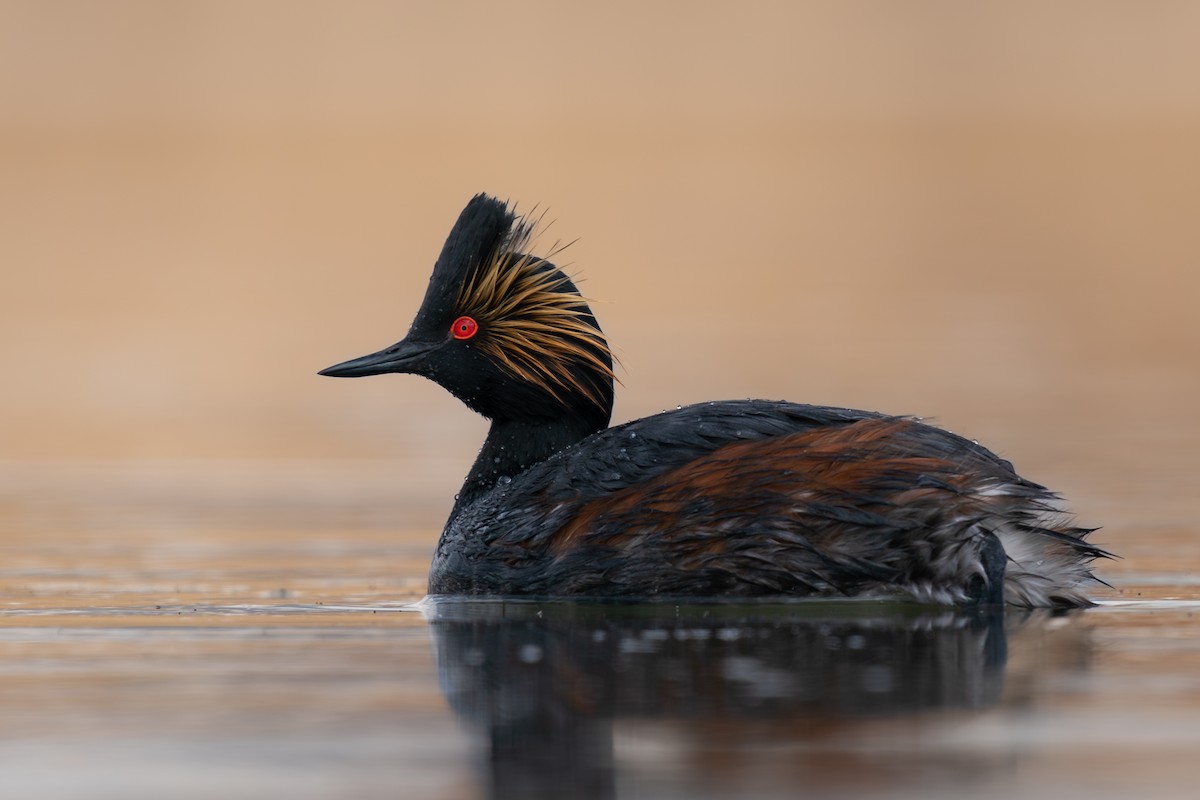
x=739 y=498
x=680 y=488
x=631 y=453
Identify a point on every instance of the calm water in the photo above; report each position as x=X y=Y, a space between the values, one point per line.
x=256 y=651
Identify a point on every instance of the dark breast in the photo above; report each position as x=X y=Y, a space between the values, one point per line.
x=735 y=498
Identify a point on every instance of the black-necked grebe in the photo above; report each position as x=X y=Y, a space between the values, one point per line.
x=724 y=499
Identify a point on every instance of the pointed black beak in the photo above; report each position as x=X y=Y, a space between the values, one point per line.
x=404 y=356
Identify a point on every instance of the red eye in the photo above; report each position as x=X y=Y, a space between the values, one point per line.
x=464 y=328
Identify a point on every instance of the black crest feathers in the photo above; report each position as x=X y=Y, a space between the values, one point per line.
x=533 y=322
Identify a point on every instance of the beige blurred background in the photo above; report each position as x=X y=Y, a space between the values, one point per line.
x=984 y=213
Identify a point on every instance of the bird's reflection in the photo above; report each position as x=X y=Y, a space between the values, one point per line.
x=544 y=682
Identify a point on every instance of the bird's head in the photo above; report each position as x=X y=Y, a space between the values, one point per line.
x=503 y=330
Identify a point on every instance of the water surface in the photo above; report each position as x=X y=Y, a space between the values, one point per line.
x=297 y=658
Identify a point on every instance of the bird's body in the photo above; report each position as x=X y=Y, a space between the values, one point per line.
x=735 y=498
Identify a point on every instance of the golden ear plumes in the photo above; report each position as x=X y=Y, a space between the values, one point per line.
x=531 y=324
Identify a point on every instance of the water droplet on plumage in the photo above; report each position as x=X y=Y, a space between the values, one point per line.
x=504 y=480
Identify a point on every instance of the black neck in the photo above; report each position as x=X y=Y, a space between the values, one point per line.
x=513 y=446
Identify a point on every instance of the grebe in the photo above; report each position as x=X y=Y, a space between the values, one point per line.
x=723 y=499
